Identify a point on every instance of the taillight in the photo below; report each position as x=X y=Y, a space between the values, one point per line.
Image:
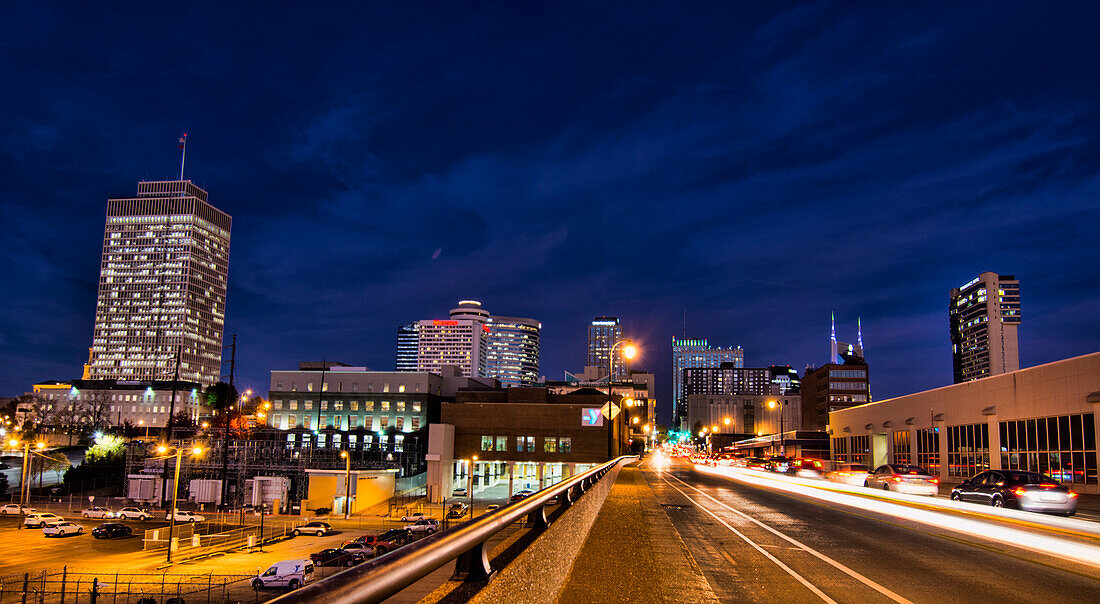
x=934 y=480
x=1072 y=495
x=1019 y=491
x=896 y=478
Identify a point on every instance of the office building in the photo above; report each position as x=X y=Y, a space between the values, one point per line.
x=985 y=315
x=603 y=334
x=696 y=353
x=512 y=350
x=459 y=341
x=163 y=275
x=408 y=343
x=114 y=403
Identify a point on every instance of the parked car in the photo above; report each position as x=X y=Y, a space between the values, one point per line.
x=903 y=478
x=1030 y=491
x=291 y=574
x=425 y=525
x=524 y=494
x=359 y=547
x=492 y=507
x=457 y=510
x=97 y=512
x=385 y=542
x=41 y=519
x=460 y=492
x=109 y=530
x=134 y=514
x=16 y=509
x=854 y=474
x=335 y=556
x=313 y=528
x=413 y=517
x=60 y=529
x=184 y=516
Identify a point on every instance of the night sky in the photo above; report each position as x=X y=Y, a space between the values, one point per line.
x=755 y=167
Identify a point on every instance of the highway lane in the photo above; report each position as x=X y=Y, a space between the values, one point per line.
x=756 y=544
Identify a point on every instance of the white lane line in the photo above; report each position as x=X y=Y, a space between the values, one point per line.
x=855 y=575
x=813 y=588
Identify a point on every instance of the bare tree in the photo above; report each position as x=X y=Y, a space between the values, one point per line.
x=96 y=409
x=33 y=413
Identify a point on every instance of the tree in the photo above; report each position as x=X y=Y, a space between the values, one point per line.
x=32 y=414
x=107 y=448
x=3 y=484
x=225 y=399
x=221 y=395
x=96 y=409
x=129 y=429
x=182 y=419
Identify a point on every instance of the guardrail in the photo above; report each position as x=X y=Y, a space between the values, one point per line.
x=386 y=575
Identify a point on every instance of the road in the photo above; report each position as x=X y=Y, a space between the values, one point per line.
x=756 y=544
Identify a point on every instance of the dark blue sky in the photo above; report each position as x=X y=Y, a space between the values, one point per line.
x=757 y=166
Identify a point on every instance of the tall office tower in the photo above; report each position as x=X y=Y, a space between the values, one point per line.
x=843 y=382
x=512 y=353
x=603 y=333
x=459 y=341
x=985 y=315
x=162 y=286
x=696 y=353
x=408 y=340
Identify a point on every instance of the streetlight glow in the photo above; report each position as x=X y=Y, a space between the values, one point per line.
x=162 y=449
x=629 y=351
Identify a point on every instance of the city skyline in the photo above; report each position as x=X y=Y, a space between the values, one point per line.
x=756 y=178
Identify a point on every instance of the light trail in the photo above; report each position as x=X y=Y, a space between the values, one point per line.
x=1065 y=549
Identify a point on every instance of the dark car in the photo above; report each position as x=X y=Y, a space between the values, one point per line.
x=1030 y=491
x=388 y=541
x=524 y=494
x=337 y=557
x=109 y=530
x=778 y=464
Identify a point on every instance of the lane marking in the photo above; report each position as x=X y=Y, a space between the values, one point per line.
x=846 y=570
x=813 y=588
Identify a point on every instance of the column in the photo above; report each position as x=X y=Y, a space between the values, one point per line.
x=511 y=478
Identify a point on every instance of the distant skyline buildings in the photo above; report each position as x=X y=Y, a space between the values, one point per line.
x=696 y=353
x=603 y=334
x=984 y=319
x=512 y=354
x=162 y=286
x=459 y=341
x=408 y=340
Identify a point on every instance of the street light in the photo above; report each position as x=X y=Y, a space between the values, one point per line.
x=628 y=351
x=175 y=489
x=24 y=484
x=347 y=484
x=772 y=404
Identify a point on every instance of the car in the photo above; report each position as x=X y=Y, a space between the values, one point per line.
x=41 y=519
x=291 y=574
x=457 y=510
x=97 y=512
x=134 y=514
x=313 y=528
x=524 y=494
x=358 y=547
x=492 y=507
x=425 y=525
x=109 y=530
x=903 y=478
x=1029 y=491
x=62 y=528
x=854 y=474
x=778 y=464
x=335 y=556
x=460 y=492
x=388 y=541
x=755 y=463
x=413 y=517
x=807 y=467
x=184 y=516
x=16 y=509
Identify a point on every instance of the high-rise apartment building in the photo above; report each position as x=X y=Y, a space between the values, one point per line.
x=603 y=334
x=696 y=353
x=459 y=341
x=512 y=353
x=408 y=341
x=162 y=286
x=985 y=315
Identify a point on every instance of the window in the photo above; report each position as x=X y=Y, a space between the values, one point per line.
x=385 y=405
x=291 y=421
x=293 y=405
x=502 y=443
x=901 y=447
x=416 y=407
x=338 y=405
x=354 y=405
x=368 y=423
x=486 y=443
x=400 y=387
x=368 y=405
x=928 y=450
x=860 y=451
x=401 y=406
x=352 y=421
x=399 y=443
x=416 y=423
x=1062 y=447
x=550 y=444
x=383 y=422
x=307 y=405
x=386 y=387
x=840 y=449
x=399 y=423
x=277 y=404
x=530 y=444
x=565 y=444
x=967 y=449
x=306 y=421
x=294 y=386
x=324 y=404
x=748 y=416
x=322 y=422
x=519 y=444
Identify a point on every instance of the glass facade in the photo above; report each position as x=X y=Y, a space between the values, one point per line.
x=902 y=447
x=928 y=450
x=967 y=450
x=1062 y=447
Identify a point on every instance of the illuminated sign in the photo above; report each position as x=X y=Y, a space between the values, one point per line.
x=437 y=322
x=591 y=417
x=971 y=283
x=486 y=328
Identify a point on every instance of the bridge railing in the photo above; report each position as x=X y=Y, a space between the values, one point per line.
x=386 y=575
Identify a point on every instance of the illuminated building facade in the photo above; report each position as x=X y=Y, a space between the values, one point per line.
x=696 y=353
x=603 y=333
x=985 y=315
x=512 y=351
x=408 y=342
x=460 y=341
x=162 y=286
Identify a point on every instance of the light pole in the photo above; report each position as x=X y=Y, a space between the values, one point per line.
x=782 y=444
x=24 y=486
x=628 y=351
x=175 y=491
x=347 y=484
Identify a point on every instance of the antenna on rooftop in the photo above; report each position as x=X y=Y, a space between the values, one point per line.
x=183 y=153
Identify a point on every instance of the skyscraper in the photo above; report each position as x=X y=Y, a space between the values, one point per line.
x=696 y=353
x=162 y=285
x=603 y=333
x=459 y=341
x=512 y=353
x=408 y=340
x=985 y=314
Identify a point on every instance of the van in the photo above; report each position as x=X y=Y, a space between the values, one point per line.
x=288 y=573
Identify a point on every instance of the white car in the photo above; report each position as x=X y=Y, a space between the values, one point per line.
x=134 y=514
x=41 y=519
x=182 y=516
x=854 y=474
x=97 y=512
x=291 y=574
x=460 y=492
x=16 y=509
x=413 y=517
x=60 y=529
x=425 y=525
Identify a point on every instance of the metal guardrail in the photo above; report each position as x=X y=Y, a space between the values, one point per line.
x=386 y=575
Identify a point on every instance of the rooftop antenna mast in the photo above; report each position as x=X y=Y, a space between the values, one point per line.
x=183 y=153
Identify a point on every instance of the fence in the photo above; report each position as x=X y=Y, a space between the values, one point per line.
x=68 y=586
x=193 y=541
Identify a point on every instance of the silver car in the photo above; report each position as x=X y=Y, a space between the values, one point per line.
x=903 y=478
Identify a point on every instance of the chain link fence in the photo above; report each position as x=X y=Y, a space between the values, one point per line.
x=68 y=586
